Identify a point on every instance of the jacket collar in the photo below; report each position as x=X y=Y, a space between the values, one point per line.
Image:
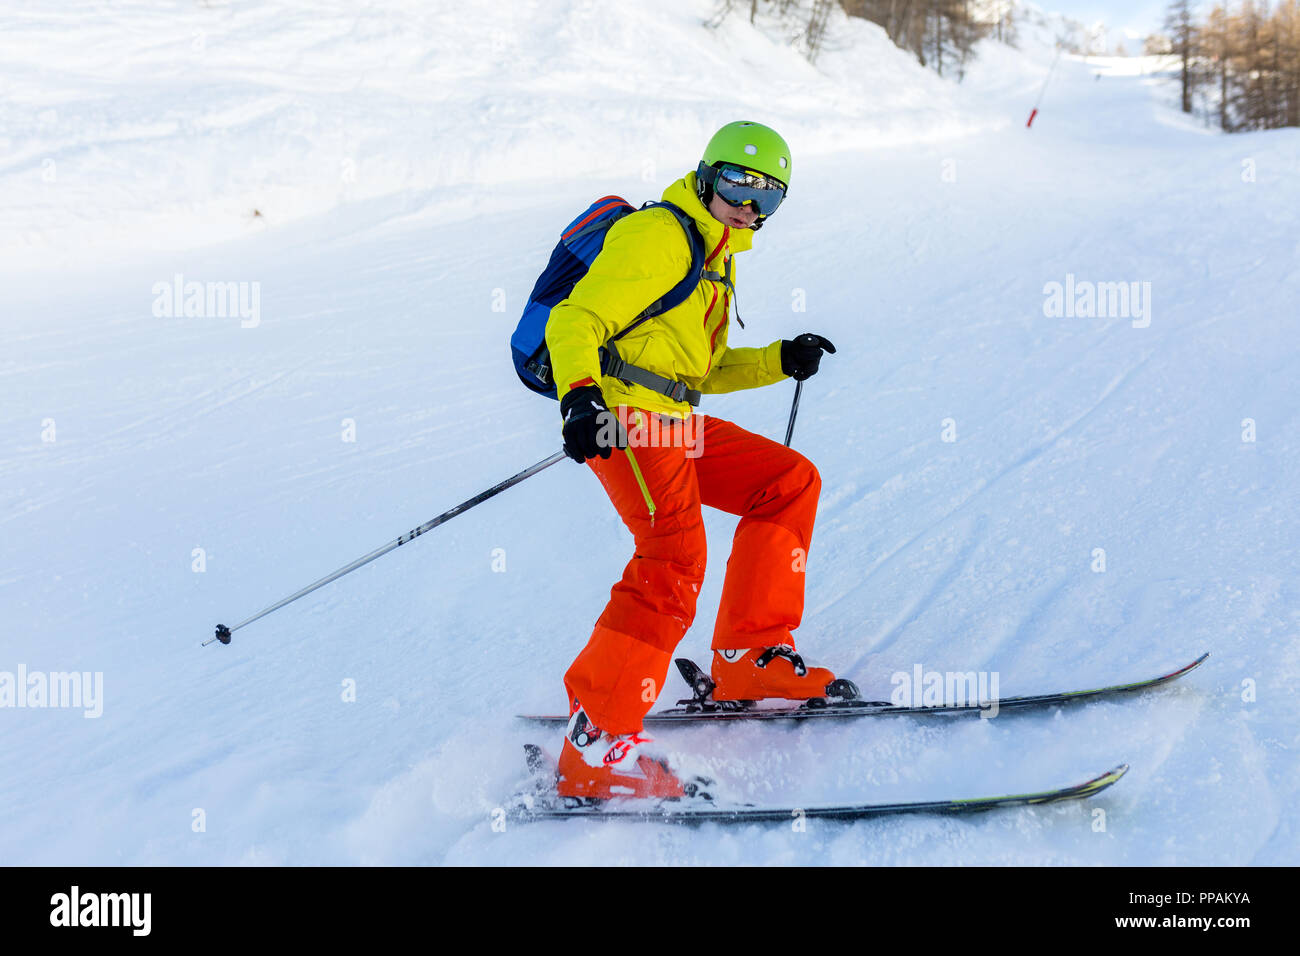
x=682 y=194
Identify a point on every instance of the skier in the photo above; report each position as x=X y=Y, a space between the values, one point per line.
x=659 y=464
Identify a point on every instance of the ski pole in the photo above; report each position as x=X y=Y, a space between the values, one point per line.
x=1047 y=79
x=223 y=633
x=794 y=410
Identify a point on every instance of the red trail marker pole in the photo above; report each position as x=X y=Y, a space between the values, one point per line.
x=1048 y=79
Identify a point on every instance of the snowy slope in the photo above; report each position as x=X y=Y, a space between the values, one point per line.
x=923 y=248
x=130 y=127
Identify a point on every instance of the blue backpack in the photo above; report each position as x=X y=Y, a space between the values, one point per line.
x=577 y=249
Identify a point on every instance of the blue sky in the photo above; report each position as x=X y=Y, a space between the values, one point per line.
x=1142 y=16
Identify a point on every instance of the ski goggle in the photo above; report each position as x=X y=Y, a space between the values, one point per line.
x=739 y=186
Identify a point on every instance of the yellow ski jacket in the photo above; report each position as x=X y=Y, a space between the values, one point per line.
x=645 y=254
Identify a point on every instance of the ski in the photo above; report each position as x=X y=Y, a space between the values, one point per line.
x=545 y=804
x=701 y=707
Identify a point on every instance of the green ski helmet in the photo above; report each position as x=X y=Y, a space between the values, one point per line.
x=745 y=162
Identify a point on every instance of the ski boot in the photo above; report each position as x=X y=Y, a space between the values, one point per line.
x=595 y=765
x=756 y=673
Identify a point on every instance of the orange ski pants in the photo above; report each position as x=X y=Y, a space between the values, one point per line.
x=773 y=489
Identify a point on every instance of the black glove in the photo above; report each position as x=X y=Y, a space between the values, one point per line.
x=590 y=429
x=800 y=357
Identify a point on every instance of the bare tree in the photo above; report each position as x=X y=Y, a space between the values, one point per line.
x=1156 y=44
x=815 y=32
x=940 y=33
x=1182 y=36
x=1250 y=57
x=1217 y=47
x=1241 y=64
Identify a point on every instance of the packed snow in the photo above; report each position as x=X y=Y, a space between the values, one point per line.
x=1065 y=496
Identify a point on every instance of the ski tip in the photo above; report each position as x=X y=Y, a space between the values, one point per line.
x=1190 y=667
x=1111 y=776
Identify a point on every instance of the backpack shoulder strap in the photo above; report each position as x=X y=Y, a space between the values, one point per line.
x=696 y=241
x=612 y=363
x=695 y=272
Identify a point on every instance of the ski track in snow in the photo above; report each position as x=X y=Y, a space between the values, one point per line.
x=1072 y=434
